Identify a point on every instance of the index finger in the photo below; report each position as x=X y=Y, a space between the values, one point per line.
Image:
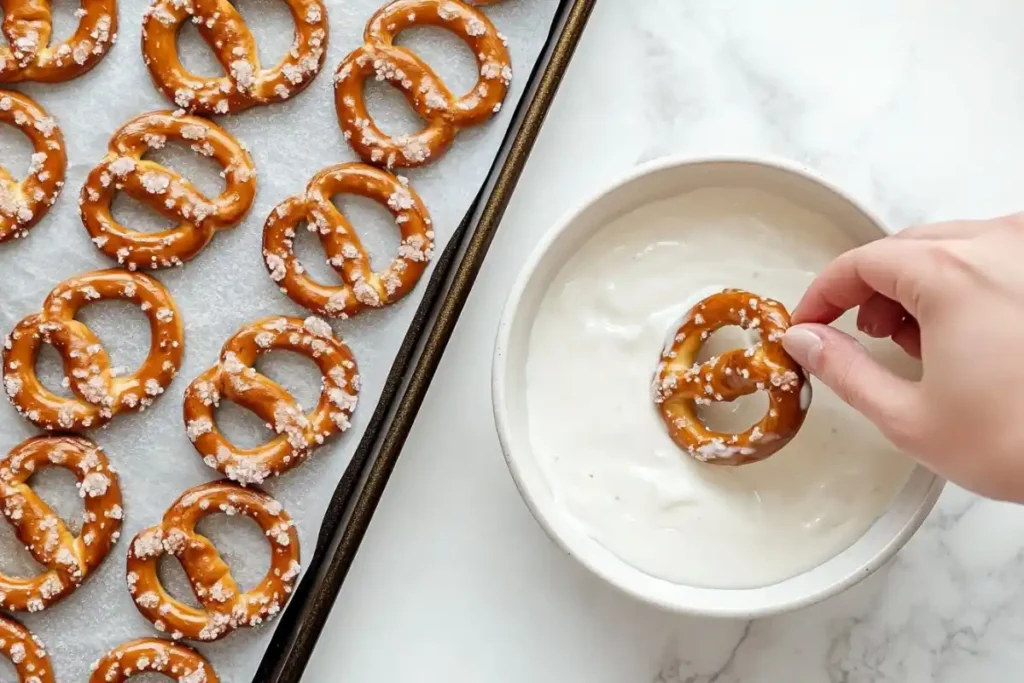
x=890 y=267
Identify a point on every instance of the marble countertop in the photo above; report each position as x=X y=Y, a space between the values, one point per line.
x=917 y=108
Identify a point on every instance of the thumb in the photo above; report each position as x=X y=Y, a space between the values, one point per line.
x=845 y=366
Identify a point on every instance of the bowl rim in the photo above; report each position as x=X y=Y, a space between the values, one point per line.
x=500 y=371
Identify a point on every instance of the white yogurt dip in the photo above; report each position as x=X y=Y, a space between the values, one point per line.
x=605 y=453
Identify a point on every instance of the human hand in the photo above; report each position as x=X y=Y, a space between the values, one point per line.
x=951 y=294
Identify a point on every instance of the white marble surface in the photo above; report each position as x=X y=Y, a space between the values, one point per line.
x=917 y=107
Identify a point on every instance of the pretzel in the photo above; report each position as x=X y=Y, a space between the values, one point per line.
x=224 y=607
x=23 y=203
x=100 y=395
x=363 y=288
x=165 y=191
x=155 y=655
x=423 y=89
x=680 y=384
x=298 y=433
x=246 y=83
x=27 y=25
x=68 y=559
x=25 y=651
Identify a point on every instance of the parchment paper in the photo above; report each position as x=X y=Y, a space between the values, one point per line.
x=224 y=288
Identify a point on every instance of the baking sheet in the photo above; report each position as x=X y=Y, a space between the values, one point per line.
x=224 y=288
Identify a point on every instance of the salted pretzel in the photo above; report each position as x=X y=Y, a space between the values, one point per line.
x=224 y=608
x=28 y=26
x=24 y=649
x=165 y=191
x=680 y=384
x=99 y=394
x=153 y=655
x=234 y=378
x=245 y=83
x=363 y=288
x=380 y=58
x=68 y=559
x=24 y=202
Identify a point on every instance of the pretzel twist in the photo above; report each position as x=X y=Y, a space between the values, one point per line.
x=23 y=203
x=245 y=83
x=165 y=191
x=24 y=649
x=423 y=89
x=28 y=25
x=234 y=378
x=680 y=384
x=68 y=559
x=99 y=394
x=363 y=288
x=153 y=655
x=224 y=608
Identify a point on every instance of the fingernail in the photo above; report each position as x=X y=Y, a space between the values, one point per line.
x=804 y=345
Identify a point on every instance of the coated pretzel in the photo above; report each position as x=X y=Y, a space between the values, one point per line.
x=362 y=288
x=24 y=202
x=69 y=559
x=153 y=655
x=224 y=608
x=99 y=394
x=165 y=191
x=25 y=651
x=28 y=25
x=245 y=83
x=234 y=378
x=424 y=90
x=680 y=383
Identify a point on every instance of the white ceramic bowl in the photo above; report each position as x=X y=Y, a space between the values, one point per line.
x=649 y=183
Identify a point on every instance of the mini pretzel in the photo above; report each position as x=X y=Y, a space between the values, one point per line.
x=234 y=378
x=224 y=607
x=23 y=203
x=424 y=90
x=363 y=287
x=25 y=651
x=69 y=559
x=153 y=655
x=246 y=83
x=27 y=25
x=100 y=395
x=165 y=191
x=680 y=383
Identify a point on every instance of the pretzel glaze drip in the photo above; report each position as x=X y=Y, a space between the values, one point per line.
x=245 y=83
x=380 y=58
x=153 y=655
x=23 y=203
x=23 y=649
x=235 y=379
x=165 y=191
x=99 y=395
x=363 y=287
x=68 y=559
x=680 y=384
x=224 y=608
x=28 y=56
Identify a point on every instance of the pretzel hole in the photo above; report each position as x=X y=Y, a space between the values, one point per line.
x=242 y=544
x=241 y=426
x=123 y=330
x=731 y=417
x=389 y=109
x=65 y=23
x=7 y=670
x=135 y=215
x=50 y=371
x=15 y=151
x=195 y=54
x=202 y=171
x=56 y=487
x=447 y=54
x=16 y=562
x=299 y=375
x=175 y=581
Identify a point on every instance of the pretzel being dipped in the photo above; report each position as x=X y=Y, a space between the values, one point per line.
x=224 y=607
x=235 y=379
x=380 y=58
x=363 y=288
x=153 y=655
x=28 y=56
x=245 y=83
x=99 y=394
x=68 y=559
x=25 y=651
x=165 y=191
x=680 y=384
